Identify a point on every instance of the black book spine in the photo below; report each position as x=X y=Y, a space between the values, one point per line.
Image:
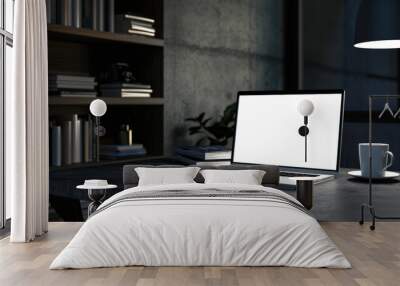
x=110 y=16
x=77 y=13
x=87 y=13
x=95 y=14
x=65 y=12
x=67 y=143
x=56 y=145
x=101 y=15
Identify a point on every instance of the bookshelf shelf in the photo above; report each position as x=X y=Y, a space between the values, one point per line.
x=55 y=100
x=88 y=35
x=106 y=163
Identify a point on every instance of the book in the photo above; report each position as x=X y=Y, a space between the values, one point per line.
x=67 y=142
x=77 y=13
x=56 y=146
x=113 y=155
x=101 y=15
x=91 y=138
x=125 y=85
x=73 y=78
x=121 y=148
x=142 y=24
x=65 y=93
x=76 y=139
x=213 y=163
x=124 y=25
x=86 y=141
x=139 y=19
x=119 y=93
x=208 y=153
x=142 y=33
x=94 y=15
x=140 y=28
x=65 y=12
x=110 y=16
x=53 y=87
x=87 y=14
x=128 y=90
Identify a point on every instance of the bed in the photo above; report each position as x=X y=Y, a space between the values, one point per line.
x=197 y=224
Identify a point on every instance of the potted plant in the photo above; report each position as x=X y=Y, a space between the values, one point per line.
x=214 y=132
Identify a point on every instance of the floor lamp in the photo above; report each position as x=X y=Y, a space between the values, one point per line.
x=98 y=108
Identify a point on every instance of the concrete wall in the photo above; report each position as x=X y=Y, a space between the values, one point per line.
x=213 y=49
x=331 y=61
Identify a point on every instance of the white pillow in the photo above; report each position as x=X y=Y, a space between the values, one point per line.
x=165 y=176
x=248 y=177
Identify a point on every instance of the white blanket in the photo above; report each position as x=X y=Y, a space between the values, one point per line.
x=200 y=231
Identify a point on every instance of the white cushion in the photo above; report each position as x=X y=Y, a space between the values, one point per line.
x=166 y=176
x=248 y=177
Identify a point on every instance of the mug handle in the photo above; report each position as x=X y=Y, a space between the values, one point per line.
x=390 y=159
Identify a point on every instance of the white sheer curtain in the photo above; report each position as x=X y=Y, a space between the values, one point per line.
x=27 y=124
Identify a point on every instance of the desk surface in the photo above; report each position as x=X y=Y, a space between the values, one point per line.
x=340 y=199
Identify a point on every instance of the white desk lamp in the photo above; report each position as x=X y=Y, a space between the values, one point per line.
x=305 y=108
x=98 y=108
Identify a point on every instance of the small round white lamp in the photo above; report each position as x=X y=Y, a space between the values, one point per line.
x=305 y=108
x=98 y=108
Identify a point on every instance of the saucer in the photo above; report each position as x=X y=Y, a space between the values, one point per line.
x=388 y=175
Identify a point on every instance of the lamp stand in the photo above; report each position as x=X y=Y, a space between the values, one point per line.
x=303 y=131
x=97 y=139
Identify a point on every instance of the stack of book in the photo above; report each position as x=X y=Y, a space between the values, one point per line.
x=205 y=156
x=121 y=151
x=125 y=90
x=72 y=85
x=72 y=141
x=137 y=25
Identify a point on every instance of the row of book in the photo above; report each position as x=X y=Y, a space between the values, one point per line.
x=133 y=24
x=97 y=15
x=205 y=155
x=72 y=86
x=72 y=141
x=92 y=14
x=85 y=86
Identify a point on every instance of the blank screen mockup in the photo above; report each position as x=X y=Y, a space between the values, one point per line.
x=267 y=130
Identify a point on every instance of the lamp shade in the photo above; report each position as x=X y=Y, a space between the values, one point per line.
x=378 y=25
x=98 y=107
x=305 y=107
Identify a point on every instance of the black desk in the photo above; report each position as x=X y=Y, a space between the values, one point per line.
x=340 y=199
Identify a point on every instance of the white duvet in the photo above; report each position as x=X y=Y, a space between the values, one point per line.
x=192 y=231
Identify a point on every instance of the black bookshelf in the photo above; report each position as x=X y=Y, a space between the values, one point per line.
x=83 y=51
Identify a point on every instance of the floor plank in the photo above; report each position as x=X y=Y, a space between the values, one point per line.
x=375 y=256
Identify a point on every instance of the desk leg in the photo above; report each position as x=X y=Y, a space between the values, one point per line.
x=96 y=196
x=305 y=193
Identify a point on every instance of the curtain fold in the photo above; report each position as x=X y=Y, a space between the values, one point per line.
x=27 y=124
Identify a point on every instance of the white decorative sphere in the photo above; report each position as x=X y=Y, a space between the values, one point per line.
x=98 y=107
x=305 y=107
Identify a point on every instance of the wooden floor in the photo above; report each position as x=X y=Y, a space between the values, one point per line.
x=375 y=257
